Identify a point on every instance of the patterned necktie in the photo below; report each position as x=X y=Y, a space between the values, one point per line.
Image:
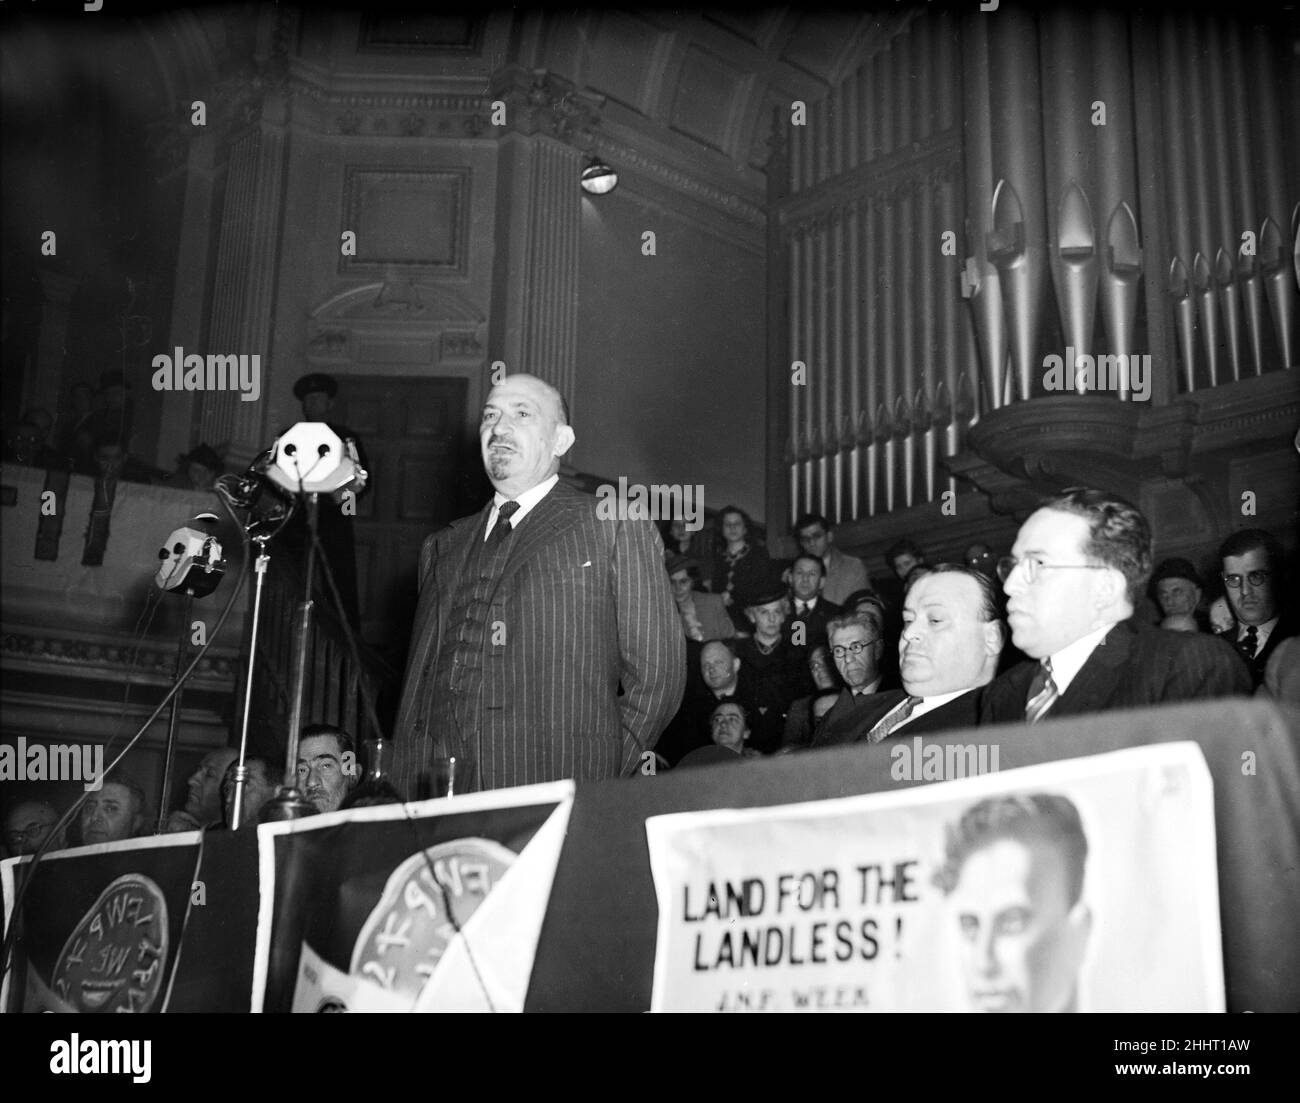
x=887 y=723
x=1042 y=693
x=503 y=528
x=803 y=608
x=1248 y=643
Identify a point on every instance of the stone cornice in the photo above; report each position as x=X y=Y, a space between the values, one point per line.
x=95 y=656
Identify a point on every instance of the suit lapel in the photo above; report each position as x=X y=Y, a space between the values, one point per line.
x=561 y=510
x=1098 y=678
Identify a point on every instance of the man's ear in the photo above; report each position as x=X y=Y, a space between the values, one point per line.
x=564 y=439
x=994 y=638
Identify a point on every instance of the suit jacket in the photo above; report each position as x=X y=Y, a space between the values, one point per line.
x=1134 y=665
x=587 y=611
x=814 y=623
x=1286 y=627
x=845 y=574
x=960 y=712
x=840 y=723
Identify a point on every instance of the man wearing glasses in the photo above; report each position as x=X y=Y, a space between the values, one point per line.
x=1074 y=573
x=1251 y=561
x=27 y=824
x=856 y=646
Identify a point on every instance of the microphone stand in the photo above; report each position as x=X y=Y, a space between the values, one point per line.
x=289 y=802
x=173 y=719
x=241 y=770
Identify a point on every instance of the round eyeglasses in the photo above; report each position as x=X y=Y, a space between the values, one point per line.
x=1255 y=578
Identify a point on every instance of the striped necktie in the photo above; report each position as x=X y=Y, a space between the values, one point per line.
x=1042 y=693
x=503 y=528
x=895 y=716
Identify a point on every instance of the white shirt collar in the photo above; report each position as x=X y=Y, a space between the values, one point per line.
x=868 y=687
x=1067 y=662
x=526 y=500
x=929 y=704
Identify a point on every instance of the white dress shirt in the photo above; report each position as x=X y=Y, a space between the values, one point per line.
x=526 y=500
x=1067 y=662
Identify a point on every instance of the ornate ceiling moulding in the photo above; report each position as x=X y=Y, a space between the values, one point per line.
x=390 y=114
x=96 y=658
x=539 y=102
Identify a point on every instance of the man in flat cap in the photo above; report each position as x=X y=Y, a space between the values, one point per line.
x=1176 y=587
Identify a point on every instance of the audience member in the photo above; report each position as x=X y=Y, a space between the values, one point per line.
x=721 y=678
x=677 y=540
x=844 y=573
x=948 y=652
x=856 y=646
x=198 y=469
x=264 y=777
x=114 y=813
x=1282 y=673
x=812 y=610
x=1176 y=588
x=28 y=824
x=203 y=800
x=980 y=557
x=1074 y=573
x=778 y=671
x=738 y=564
x=804 y=713
x=729 y=728
x=704 y=616
x=327 y=766
x=904 y=557
x=1252 y=578
x=113 y=461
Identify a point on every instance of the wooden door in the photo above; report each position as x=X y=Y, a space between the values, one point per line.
x=424 y=473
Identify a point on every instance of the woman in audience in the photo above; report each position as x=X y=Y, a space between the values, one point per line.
x=704 y=616
x=739 y=564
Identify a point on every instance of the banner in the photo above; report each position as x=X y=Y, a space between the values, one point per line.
x=431 y=906
x=1047 y=888
x=102 y=925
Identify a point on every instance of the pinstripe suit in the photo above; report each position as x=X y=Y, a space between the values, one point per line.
x=582 y=606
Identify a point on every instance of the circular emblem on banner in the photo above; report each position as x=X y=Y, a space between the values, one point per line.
x=114 y=959
x=426 y=900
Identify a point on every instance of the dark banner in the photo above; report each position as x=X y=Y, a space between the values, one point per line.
x=102 y=926
x=428 y=906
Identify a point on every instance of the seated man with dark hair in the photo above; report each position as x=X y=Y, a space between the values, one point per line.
x=1075 y=571
x=327 y=766
x=1252 y=579
x=812 y=611
x=203 y=793
x=264 y=777
x=116 y=812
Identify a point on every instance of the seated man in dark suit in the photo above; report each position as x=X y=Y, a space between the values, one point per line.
x=1252 y=578
x=721 y=678
x=812 y=612
x=1076 y=570
x=856 y=646
x=952 y=637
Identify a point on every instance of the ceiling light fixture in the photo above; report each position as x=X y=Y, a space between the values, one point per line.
x=598 y=178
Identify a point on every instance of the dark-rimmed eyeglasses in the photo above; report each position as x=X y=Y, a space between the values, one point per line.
x=855 y=648
x=1255 y=578
x=1033 y=566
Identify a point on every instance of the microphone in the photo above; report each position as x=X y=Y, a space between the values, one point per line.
x=191 y=558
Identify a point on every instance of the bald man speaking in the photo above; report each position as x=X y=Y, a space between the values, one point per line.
x=546 y=643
